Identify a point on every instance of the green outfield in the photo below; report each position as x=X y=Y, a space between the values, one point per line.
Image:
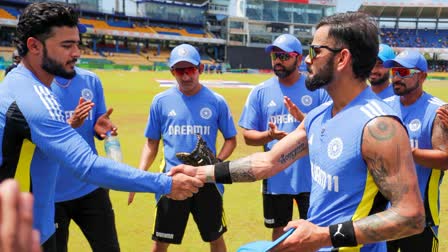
x=130 y=94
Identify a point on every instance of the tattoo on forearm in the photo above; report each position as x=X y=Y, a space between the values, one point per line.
x=381 y=130
x=241 y=171
x=387 y=225
x=292 y=155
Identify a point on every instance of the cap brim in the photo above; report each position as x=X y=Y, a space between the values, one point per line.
x=194 y=62
x=269 y=48
x=391 y=63
x=82 y=28
x=264 y=246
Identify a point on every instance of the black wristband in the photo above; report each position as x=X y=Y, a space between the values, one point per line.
x=343 y=235
x=219 y=160
x=222 y=173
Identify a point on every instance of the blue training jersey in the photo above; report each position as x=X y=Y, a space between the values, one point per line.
x=177 y=118
x=342 y=187
x=85 y=84
x=30 y=110
x=419 y=119
x=387 y=92
x=265 y=104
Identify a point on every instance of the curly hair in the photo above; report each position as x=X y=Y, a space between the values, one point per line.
x=358 y=32
x=38 y=20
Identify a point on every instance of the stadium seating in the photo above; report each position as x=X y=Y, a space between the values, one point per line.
x=422 y=38
x=6 y=14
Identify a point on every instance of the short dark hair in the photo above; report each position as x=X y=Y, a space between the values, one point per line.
x=38 y=20
x=358 y=32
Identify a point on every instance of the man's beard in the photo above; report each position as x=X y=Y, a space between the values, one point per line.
x=380 y=81
x=321 y=79
x=407 y=90
x=53 y=67
x=285 y=72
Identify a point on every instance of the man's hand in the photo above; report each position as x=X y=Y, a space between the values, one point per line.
x=306 y=238
x=442 y=113
x=81 y=113
x=274 y=133
x=184 y=186
x=103 y=125
x=293 y=109
x=16 y=220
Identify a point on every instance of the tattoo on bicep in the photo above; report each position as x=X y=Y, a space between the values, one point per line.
x=440 y=135
x=241 y=170
x=381 y=130
x=388 y=179
x=292 y=154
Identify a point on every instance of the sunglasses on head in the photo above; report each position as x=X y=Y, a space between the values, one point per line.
x=283 y=56
x=187 y=70
x=312 y=53
x=403 y=72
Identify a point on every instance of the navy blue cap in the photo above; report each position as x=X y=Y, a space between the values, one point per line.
x=409 y=59
x=385 y=52
x=287 y=43
x=184 y=52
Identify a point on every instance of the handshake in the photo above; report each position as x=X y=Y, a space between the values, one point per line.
x=185 y=180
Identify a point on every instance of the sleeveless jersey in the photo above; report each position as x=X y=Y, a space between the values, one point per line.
x=265 y=104
x=342 y=187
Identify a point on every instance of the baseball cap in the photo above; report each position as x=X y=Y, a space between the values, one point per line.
x=409 y=59
x=264 y=246
x=385 y=52
x=184 y=52
x=287 y=43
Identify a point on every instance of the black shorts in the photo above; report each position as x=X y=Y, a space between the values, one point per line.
x=277 y=208
x=425 y=241
x=206 y=208
x=95 y=217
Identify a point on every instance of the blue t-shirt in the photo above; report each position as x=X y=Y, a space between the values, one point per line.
x=87 y=85
x=29 y=108
x=387 y=92
x=342 y=188
x=177 y=118
x=419 y=119
x=265 y=104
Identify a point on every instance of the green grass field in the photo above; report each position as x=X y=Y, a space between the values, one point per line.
x=130 y=94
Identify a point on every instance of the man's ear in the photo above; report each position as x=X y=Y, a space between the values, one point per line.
x=34 y=45
x=201 y=68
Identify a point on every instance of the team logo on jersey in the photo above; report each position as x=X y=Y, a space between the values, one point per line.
x=206 y=113
x=272 y=104
x=335 y=148
x=415 y=125
x=307 y=100
x=87 y=94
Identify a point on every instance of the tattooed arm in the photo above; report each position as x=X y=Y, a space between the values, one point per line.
x=387 y=152
x=437 y=157
x=259 y=165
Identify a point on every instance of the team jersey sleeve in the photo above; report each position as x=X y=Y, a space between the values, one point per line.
x=225 y=121
x=56 y=139
x=153 y=125
x=250 y=116
x=100 y=100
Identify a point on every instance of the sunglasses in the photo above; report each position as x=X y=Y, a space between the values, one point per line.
x=312 y=52
x=283 y=56
x=187 y=70
x=403 y=72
